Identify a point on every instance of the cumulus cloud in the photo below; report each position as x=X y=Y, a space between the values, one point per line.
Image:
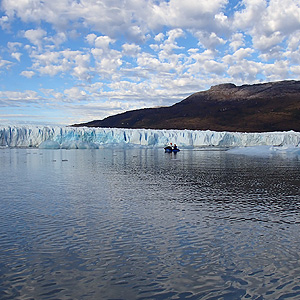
x=28 y=74
x=277 y=71
x=245 y=71
x=56 y=39
x=59 y=62
x=75 y=93
x=191 y=14
x=268 y=22
x=159 y=37
x=27 y=96
x=133 y=18
x=242 y=53
x=13 y=46
x=251 y=15
x=131 y=49
x=212 y=66
x=266 y=43
x=4 y=22
x=293 y=42
x=237 y=41
x=209 y=40
x=103 y=42
x=90 y=38
x=35 y=36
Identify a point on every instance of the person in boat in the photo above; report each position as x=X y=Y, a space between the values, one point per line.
x=169 y=147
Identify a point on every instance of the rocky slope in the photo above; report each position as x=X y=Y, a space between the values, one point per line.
x=273 y=106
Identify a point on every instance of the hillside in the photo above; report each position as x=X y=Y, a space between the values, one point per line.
x=273 y=106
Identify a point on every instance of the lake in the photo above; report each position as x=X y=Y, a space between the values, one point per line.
x=142 y=224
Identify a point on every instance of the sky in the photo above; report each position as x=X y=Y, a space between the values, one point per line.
x=71 y=61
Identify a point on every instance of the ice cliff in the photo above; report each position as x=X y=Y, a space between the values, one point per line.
x=84 y=137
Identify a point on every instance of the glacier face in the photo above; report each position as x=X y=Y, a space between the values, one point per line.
x=84 y=137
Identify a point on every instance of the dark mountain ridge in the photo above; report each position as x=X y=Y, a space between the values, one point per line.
x=273 y=106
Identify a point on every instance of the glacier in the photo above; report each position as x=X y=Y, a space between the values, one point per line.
x=58 y=137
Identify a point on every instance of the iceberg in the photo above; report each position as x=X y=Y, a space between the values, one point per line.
x=57 y=137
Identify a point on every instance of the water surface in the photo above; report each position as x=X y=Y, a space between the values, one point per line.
x=142 y=224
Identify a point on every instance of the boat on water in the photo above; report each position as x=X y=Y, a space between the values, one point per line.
x=170 y=149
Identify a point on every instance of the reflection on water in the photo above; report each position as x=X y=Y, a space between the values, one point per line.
x=142 y=224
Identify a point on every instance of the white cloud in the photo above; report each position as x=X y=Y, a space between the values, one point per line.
x=251 y=15
x=35 y=36
x=57 y=39
x=242 y=53
x=283 y=16
x=174 y=34
x=16 y=55
x=245 y=71
x=209 y=40
x=81 y=66
x=90 y=38
x=266 y=43
x=4 y=64
x=75 y=93
x=151 y=63
x=28 y=74
x=192 y=14
x=292 y=56
x=237 y=41
x=167 y=47
x=109 y=18
x=26 y=96
x=294 y=41
x=131 y=49
x=53 y=63
x=159 y=37
x=4 y=22
x=268 y=22
x=13 y=46
x=212 y=66
x=277 y=71
x=132 y=18
x=107 y=61
x=103 y=42
x=136 y=33
x=197 y=60
x=296 y=70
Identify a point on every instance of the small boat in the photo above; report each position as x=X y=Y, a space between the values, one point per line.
x=170 y=150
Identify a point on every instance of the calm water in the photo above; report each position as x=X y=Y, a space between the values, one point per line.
x=142 y=224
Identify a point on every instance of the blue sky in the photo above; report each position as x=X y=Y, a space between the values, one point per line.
x=65 y=61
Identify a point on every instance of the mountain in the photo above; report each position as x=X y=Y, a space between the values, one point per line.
x=273 y=106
